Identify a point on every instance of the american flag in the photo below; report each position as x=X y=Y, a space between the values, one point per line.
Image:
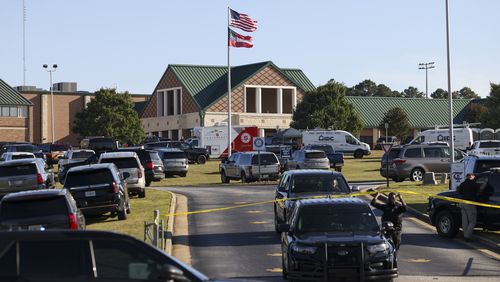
x=238 y=40
x=242 y=21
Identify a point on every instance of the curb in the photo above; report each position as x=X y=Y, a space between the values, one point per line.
x=170 y=224
x=490 y=244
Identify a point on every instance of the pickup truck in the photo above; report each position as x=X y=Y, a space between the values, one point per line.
x=194 y=154
x=336 y=159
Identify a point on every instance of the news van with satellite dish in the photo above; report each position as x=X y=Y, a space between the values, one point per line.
x=341 y=141
x=463 y=137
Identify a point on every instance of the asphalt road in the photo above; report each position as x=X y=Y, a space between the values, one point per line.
x=241 y=243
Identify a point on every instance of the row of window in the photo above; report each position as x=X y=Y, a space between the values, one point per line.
x=169 y=102
x=6 y=111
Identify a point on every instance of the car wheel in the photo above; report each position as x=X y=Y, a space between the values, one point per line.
x=417 y=174
x=122 y=215
x=142 y=193
x=446 y=225
x=358 y=154
x=201 y=159
x=243 y=177
x=223 y=177
x=128 y=209
x=148 y=183
x=398 y=179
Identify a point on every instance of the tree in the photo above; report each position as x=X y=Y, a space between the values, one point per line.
x=478 y=113
x=493 y=104
x=365 y=88
x=112 y=115
x=327 y=107
x=383 y=91
x=399 y=125
x=412 y=92
x=467 y=93
x=439 y=94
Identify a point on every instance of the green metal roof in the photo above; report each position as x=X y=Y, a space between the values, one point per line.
x=422 y=113
x=11 y=97
x=208 y=84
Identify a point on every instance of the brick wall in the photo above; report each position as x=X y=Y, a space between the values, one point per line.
x=14 y=129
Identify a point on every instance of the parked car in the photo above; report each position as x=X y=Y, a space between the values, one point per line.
x=175 y=161
x=336 y=239
x=99 y=144
x=245 y=166
x=64 y=167
x=446 y=215
x=150 y=160
x=485 y=147
x=83 y=255
x=302 y=184
x=23 y=175
x=413 y=161
x=98 y=189
x=308 y=159
x=385 y=140
x=74 y=156
x=194 y=154
x=54 y=152
x=24 y=147
x=336 y=159
x=40 y=210
x=16 y=156
x=128 y=162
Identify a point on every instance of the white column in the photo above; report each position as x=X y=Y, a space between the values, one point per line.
x=280 y=100
x=176 y=111
x=261 y=132
x=165 y=103
x=169 y=134
x=294 y=98
x=258 y=100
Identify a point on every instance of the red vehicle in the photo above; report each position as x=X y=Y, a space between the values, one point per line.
x=53 y=152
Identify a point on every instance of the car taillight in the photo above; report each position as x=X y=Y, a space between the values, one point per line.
x=399 y=161
x=73 y=224
x=115 y=187
x=139 y=173
x=150 y=165
x=39 y=178
x=49 y=156
x=250 y=171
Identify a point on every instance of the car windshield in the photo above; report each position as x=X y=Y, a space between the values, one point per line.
x=315 y=155
x=122 y=162
x=25 y=148
x=33 y=208
x=88 y=177
x=82 y=155
x=174 y=155
x=17 y=170
x=154 y=156
x=326 y=149
x=312 y=183
x=23 y=156
x=489 y=144
x=265 y=159
x=486 y=165
x=331 y=218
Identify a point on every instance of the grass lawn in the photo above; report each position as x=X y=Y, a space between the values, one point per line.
x=142 y=210
x=366 y=168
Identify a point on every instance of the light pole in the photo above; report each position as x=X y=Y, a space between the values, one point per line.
x=426 y=66
x=54 y=67
x=450 y=96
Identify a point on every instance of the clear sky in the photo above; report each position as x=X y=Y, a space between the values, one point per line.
x=128 y=44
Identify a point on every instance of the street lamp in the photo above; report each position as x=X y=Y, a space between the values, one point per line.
x=426 y=66
x=450 y=96
x=50 y=71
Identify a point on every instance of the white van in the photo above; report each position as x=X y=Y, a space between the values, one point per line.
x=463 y=137
x=341 y=141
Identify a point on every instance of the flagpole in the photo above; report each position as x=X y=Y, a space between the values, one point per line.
x=229 y=128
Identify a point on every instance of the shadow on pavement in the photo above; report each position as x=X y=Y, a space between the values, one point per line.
x=431 y=240
x=228 y=239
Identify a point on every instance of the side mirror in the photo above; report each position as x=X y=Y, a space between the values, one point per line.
x=283 y=227
x=126 y=175
x=172 y=273
x=281 y=189
x=355 y=189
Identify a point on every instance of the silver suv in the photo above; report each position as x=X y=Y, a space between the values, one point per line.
x=413 y=161
x=245 y=166
x=308 y=159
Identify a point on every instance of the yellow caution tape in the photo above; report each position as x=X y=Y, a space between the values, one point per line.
x=333 y=197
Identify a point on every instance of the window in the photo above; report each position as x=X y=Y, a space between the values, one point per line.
x=170 y=103
x=88 y=177
x=287 y=101
x=22 y=210
x=435 y=152
x=174 y=155
x=269 y=100
x=325 y=218
x=265 y=159
x=23 y=112
x=5 y=111
x=55 y=259
x=160 y=104
x=122 y=163
x=350 y=140
x=18 y=170
x=315 y=155
x=122 y=260
x=413 y=153
x=8 y=261
x=319 y=183
x=179 y=101
x=251 y=100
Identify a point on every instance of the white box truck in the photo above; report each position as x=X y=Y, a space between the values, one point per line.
x=341 y=141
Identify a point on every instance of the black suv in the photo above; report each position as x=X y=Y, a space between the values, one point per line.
x=86 y=256
x=152 y=163
x=40 y=210
x=195 y=154
x=336 y=239
x=446 y=216
x=302 y=184
x=98 y=189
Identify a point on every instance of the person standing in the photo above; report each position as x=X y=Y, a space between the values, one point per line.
x=392 y=211
x=469 y=190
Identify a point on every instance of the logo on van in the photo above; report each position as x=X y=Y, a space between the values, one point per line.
x=326 y=138
x=446 y=138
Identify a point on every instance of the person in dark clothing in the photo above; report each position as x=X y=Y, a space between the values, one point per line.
x=392 y=211
x=469 y=190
